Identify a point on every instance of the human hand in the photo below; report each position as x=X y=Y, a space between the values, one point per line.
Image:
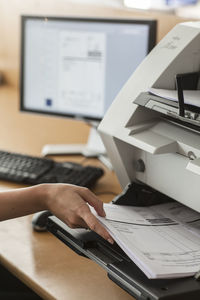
x=69 y=204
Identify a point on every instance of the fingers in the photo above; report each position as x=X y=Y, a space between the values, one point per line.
x=72 y=208
x=92 y=199
x=94 y=224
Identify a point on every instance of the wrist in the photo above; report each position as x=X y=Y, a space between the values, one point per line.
x=41 y=196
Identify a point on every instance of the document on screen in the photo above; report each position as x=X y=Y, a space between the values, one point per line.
x=81 y=69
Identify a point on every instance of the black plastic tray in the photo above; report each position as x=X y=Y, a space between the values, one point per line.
x=120 y=268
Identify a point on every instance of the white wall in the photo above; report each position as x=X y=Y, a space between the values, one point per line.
x=111 y=3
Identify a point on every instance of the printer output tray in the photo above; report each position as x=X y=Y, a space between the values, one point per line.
x=120 y=268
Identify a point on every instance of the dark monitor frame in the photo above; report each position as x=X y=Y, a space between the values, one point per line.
x=151 y=43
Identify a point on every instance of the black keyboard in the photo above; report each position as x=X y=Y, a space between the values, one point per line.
x=34 y=170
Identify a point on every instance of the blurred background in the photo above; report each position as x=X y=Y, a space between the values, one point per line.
x=185 y=8
x=167 y=13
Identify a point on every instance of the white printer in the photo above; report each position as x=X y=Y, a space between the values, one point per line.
x=150 y=139
x=154 y=143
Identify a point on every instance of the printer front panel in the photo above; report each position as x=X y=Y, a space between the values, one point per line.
x=167 y=173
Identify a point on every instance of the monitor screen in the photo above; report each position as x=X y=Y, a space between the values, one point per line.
x=75 y=67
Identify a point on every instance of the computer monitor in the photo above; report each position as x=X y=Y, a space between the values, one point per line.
x=74 y=67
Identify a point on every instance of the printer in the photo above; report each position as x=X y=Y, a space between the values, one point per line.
x=154 y=146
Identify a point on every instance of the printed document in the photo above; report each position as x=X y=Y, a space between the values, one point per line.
x=162 y=240
x=191 y=97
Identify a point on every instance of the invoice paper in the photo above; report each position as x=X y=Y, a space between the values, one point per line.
x=162 y=240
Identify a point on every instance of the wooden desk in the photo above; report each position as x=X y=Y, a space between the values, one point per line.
x=39 y=259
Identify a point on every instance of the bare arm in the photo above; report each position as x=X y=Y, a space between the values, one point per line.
x=67 y=202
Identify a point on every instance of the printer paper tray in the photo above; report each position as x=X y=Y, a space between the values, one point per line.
x=120 y=268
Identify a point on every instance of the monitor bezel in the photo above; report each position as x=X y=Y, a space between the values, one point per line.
x=152 y=23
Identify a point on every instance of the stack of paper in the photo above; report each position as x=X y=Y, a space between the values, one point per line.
x=191 y=97
x=162 y=240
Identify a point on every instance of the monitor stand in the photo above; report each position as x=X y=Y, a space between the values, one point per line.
x=93 y=148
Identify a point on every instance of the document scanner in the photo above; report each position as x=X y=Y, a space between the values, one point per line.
x=154 y=146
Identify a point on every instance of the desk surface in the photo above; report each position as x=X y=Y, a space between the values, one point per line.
x=39 y=259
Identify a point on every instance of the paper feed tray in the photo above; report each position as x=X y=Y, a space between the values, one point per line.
x=170 y=110
x=120 y=268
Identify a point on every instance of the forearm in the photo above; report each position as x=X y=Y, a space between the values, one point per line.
x=20 y=202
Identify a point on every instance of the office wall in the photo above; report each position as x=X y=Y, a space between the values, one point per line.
x=10 y=11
